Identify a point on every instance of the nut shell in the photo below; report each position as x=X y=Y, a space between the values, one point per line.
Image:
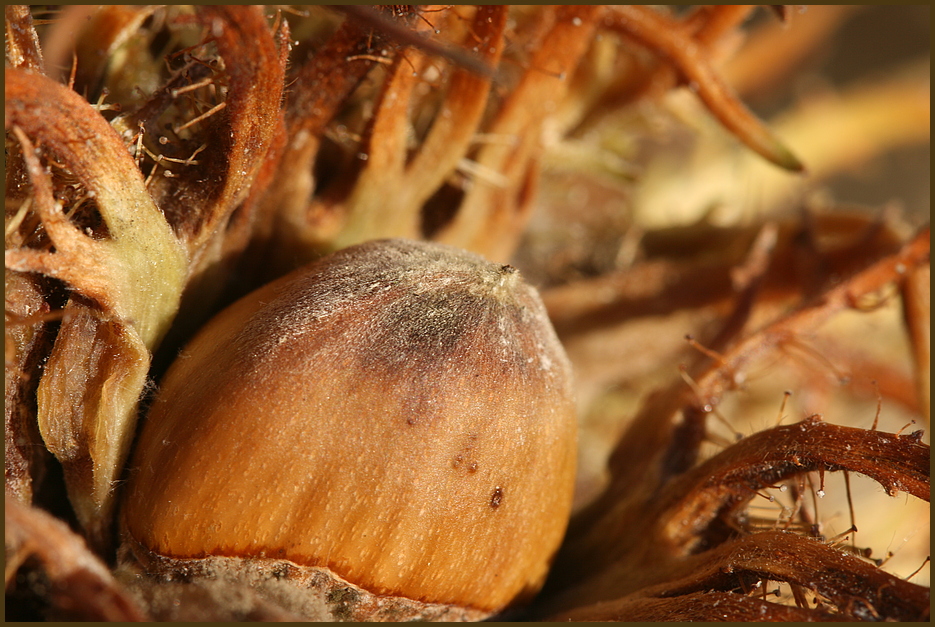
x=399 y=412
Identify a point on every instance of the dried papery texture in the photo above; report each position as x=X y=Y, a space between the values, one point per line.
x=112 y=52
x=399 y=413
x=396 y=180
x=64 y=125
x=698 y=509
x=42 y=551
x=453 y=186
x=595 y=148
x=199 y=95
x=650 y=432
x=392 y=179
x=128 y=282
x=234 y=149
x=244 y=131
x=623 y=153
x=689 y=514
x=820 y=305
x=318 y=90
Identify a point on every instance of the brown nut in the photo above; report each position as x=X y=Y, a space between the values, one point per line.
x=399 y=413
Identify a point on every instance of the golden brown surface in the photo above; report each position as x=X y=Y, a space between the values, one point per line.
x=399 y=412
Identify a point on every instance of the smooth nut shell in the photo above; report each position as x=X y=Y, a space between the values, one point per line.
x=398 y=412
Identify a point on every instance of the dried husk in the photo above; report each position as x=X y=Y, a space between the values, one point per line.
x=134 y=278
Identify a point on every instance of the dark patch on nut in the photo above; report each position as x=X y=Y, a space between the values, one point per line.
x=496 y=498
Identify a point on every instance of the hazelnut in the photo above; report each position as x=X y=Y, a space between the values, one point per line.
x=398 y=414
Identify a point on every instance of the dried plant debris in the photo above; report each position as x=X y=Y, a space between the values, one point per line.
x=162 y=161
x=125 y=281
x=52 y=564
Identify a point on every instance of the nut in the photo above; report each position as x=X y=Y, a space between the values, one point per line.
x=399 y=413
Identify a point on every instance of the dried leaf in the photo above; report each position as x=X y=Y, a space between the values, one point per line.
x=298 y=225
x=618 y=325
x=266 y=136
x=851 y=588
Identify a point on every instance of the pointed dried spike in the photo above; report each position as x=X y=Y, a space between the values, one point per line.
x=670 y=40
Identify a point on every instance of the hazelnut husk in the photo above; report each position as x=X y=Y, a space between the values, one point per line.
x=397 y=418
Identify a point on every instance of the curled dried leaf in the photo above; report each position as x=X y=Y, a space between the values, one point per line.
x=495 y=210
x=320 y=88
x=118 y=271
